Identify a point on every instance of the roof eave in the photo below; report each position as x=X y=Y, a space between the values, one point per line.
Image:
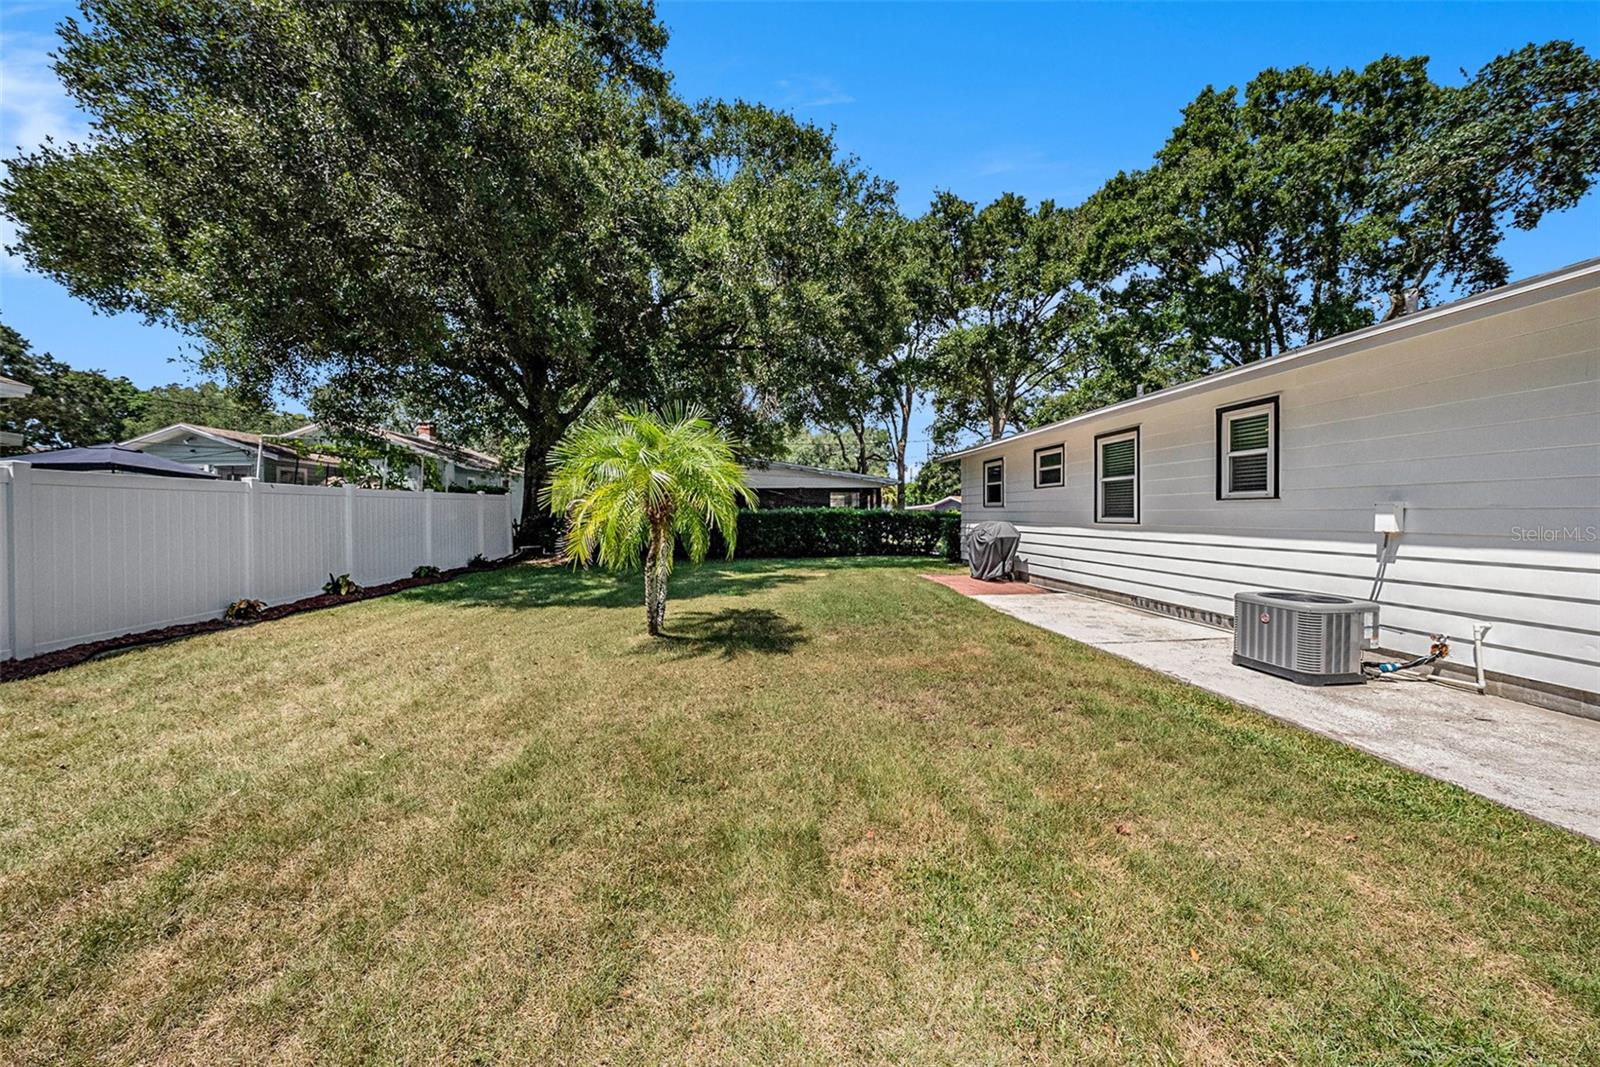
x=1587 y=270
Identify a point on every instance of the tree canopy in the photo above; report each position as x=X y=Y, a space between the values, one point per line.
x=1315 y=202
x=496 y=209
x=499 y=216
x=68 y=408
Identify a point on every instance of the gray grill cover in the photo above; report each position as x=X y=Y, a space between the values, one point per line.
x=992 y=550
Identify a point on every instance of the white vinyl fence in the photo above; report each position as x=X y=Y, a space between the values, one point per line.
x=86 y=556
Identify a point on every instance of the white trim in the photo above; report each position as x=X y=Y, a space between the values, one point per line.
x=1100 y=477
x=1060 y=469
x=183 y=429
x=1268 y=409
x=1000 y=483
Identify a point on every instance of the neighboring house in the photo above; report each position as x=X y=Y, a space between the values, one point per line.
x=235 y=454
x=790 y=485
x=948 y=503
x=459 y=468
x=1474 y=427
x=10 y=388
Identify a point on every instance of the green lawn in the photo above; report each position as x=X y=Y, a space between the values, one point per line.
x=841 y=814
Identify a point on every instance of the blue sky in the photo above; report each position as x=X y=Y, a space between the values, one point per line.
x=1045 y=100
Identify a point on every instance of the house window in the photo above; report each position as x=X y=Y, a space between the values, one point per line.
x=1247 y=451
x=1050 y=467
x=1117 y=477
x=994 y=483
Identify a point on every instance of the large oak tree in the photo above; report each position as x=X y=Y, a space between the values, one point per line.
x=493 y=212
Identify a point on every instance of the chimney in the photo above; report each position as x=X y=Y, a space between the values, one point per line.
x=425 y=429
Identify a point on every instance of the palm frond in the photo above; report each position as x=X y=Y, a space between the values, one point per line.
x=616 y=477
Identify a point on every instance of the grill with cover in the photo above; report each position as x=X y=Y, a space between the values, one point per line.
x=1310 y=638
x=992 y=550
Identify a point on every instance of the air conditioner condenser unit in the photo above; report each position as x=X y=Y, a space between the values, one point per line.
x=1310 y=638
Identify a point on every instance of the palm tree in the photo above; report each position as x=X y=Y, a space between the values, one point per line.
x=636 y=483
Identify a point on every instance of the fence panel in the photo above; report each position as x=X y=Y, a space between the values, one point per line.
x=299 y=540
x=110 y=554
x=86 y=556
x=5 y=562
x=455 y=528
x=391 y=539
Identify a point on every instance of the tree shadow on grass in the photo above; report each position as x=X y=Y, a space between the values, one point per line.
x=728 y=633
x=545 y=585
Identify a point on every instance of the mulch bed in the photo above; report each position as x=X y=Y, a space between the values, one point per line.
x=15 y=669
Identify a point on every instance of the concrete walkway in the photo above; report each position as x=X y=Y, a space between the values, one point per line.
x=1543 y=763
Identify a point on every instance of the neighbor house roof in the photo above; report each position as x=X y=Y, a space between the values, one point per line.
x=114 y=458
x=243 y=438
x=1563 y=282
x=944 y=503
x=773 y=474
x=460 y=455
x=12 y=387
x=432 y=447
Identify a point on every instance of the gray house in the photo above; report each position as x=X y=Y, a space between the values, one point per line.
x=235 y=454
x=791 y=485
x=294 y=457
x=458 y=467
x=1445 y=463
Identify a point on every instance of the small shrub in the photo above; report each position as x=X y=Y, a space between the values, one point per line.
x=477 y=562
x=244 y=610
x=342 y=585
x=426 y=571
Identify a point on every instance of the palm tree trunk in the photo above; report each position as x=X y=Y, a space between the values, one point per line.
x=662 y=562
x=656 y=562
x=650 y=589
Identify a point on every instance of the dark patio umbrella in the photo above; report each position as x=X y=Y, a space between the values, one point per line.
x=111 y=458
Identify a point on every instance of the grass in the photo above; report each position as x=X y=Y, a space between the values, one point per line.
x=840 y=814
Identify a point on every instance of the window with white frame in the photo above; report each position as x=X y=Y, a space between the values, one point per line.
x=1247 y=451
x=1117 y=477
x=994 y=483
x=1050 y=467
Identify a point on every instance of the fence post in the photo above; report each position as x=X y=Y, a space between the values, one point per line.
x=251 y=520
x=350 y=529
x=21 y=562
x=511 y=520
x=482 y=503
x=427 y=527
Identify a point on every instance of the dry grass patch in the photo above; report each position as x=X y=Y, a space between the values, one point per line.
x=838 y=815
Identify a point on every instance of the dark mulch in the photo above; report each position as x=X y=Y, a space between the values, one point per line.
x=15 y=669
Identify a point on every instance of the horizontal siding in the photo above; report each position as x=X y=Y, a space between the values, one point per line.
x=1484 y=428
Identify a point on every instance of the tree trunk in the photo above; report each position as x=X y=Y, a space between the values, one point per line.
x=533 y=474
x=650 y=589
x=537 y=528
x=656 y=562
x=900 y=453
x=663 y=560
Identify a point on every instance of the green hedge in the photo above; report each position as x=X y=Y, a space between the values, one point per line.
x=797 y=533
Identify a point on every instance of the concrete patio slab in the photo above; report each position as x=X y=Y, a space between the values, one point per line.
x=1543 y=763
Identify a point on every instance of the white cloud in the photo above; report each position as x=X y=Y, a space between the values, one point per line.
x=33 y=107
x=813 y=92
